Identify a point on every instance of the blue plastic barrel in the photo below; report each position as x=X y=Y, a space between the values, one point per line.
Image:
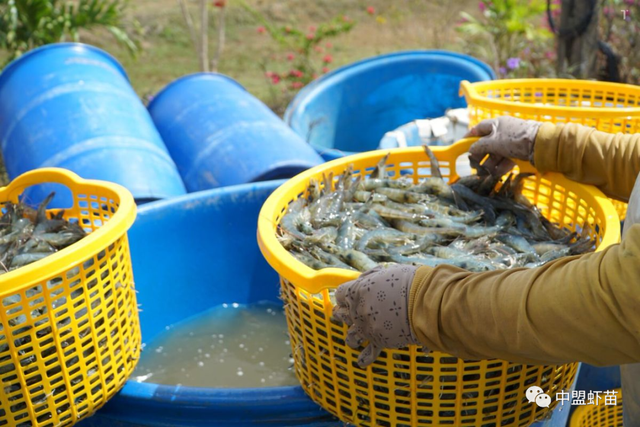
x=219 y=134
x=350 y=109
x=70 y=105
x=191 y=253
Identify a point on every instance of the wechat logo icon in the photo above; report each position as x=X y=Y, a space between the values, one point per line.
x=535 y=394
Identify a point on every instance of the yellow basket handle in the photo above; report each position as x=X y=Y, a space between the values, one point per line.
x=465 y=88
x=39 y=176
x=97 y=240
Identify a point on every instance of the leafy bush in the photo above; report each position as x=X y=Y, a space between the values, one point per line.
x=307 y=51
x=510 y=36
x=27 y=24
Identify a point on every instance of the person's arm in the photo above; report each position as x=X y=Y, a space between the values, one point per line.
x=611 y=162
x=583 y=308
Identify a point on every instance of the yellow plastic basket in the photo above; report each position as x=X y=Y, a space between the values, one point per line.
x=69 y=329
x=599 y=415
x=609 y=107
x=404 y=387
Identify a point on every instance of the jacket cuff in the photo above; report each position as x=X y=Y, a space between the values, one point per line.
x=416 y=284
x=545 y=149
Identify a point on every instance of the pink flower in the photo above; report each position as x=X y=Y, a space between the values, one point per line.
x=325 y=69
x=275 y=79
x=269 y=74
x=549 y=54
x=290 y=57
x=296 y=85
x=608 y=11
x=296 y=73
x=312 y=29
x=482 y=6
x=328 y=45
x=371 y=10
x=318 y=49
x=462 y=21
x=261 y=30
x=311 y=36
x=327 y=59
x=630 y=2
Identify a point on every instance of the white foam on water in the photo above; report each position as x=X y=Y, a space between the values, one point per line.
x=248 y=332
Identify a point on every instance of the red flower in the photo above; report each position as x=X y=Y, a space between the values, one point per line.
x=311 y=36
x=318 y=49
x=261 y=30
x=220 y=3
x=296 y=85
x=275 y=79
x=312 y=29
x=327 y=59
x=329 y=45
x=325 y=69
x=296 y=73
x=290 y=56
x=371 y=10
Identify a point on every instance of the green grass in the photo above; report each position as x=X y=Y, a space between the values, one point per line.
x=167 y=52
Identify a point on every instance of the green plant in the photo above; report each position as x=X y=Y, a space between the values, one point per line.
x=305 y=54
x=27 y=24
x=503 y=32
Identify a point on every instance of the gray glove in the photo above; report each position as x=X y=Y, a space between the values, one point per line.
x=375 y=306
x=503 y=138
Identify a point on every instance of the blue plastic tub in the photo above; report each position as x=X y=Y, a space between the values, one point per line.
x=219 y=134
x=351 y=108
x=70 y=105
x=191 y=253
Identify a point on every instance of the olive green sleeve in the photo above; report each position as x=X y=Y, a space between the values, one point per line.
x=611 y=162
x=582 y=308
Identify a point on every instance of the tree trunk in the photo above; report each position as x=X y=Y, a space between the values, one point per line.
x=187 y=19
x=577 y=42
x=204 y=36
x=216 y=59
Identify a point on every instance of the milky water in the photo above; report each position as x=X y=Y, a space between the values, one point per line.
x=228 y=346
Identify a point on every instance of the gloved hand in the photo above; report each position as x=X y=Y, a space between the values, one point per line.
x=503 y=138
x=375 y=306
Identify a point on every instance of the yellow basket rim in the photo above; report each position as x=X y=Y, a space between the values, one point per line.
x=580 y=411
x=314 y=281
x=470 y=91
x=23 y=277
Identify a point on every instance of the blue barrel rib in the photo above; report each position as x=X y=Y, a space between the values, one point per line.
x=351 y=108
x=219 y=134
x=71 y=105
